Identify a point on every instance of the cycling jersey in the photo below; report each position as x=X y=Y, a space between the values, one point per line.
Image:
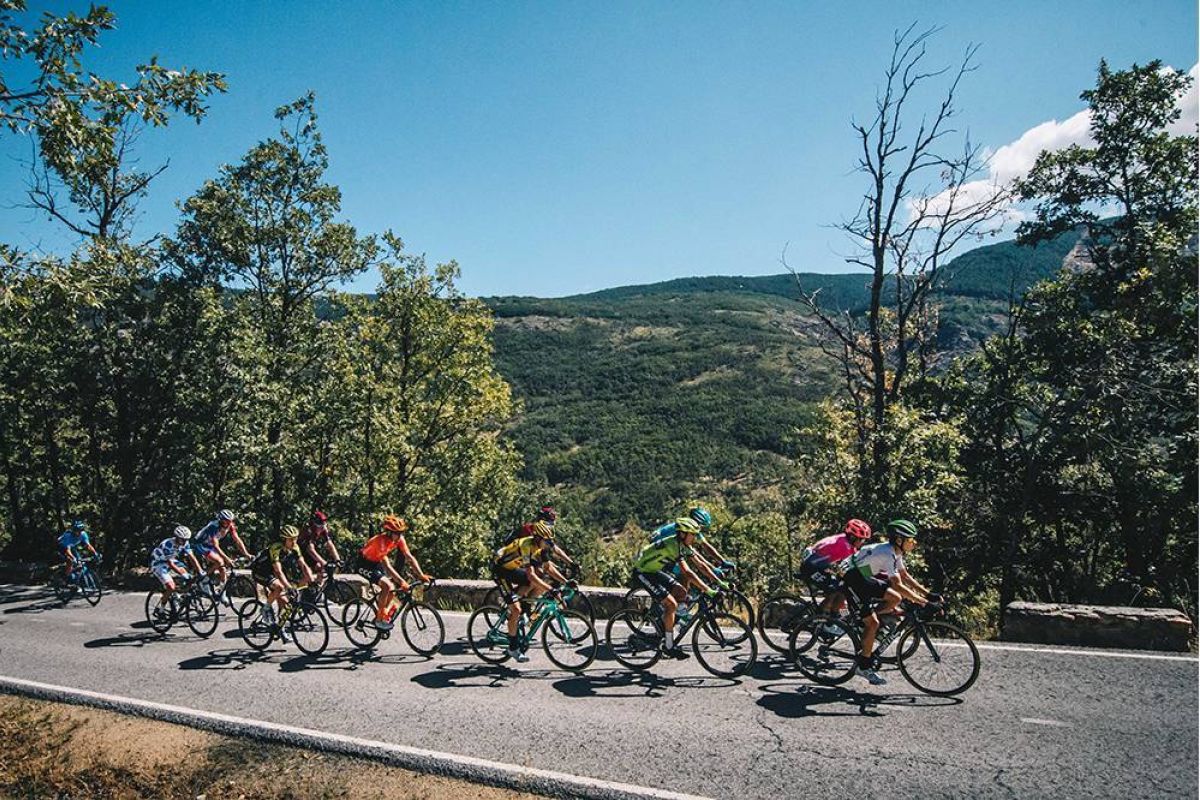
x=263 y=563
x=521 y=553
x=377 y=547
x=834 y=548
x=316 y=535
x=662 y=553
x=70 y=540
x=207 y=537
x=169 y=550
x=877 y=559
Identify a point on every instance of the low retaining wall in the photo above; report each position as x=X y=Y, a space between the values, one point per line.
x=1098 y=626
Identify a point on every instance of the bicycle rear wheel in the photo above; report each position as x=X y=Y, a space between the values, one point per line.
x=238 y=589
x=725 y=645
x=200 y=611
x=358 y=621
x=90 y=587
x=487 y=632
x=826 y=650
x=253 y=625
x=159 y=625
x=310 y=629
x=778 y=617
x=569 y=640
x=63 y=589
x=945 y=661
x=633 y=639
x=423 y=628
x=736 y=604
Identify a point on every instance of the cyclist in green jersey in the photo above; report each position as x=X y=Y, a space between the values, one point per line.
x=657 y=567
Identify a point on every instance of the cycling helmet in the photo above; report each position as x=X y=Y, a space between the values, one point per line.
x=77 y=525
x=394 y=524
x=288 y=532
x=319 y=517
x=182 y=532
x=225 y=515
x=542 y=530
x=857 y=529
x=901 y=529
x=687 y=525
x=701 y=517
x=547 y=514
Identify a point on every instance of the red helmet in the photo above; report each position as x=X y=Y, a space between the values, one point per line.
x=319 y=517
x=547 y=514
x=857 y=529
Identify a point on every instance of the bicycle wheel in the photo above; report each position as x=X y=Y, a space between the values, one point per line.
x=423 y=628
x=90 y=587
x=160 y=625
x=487 y=631
x=63 y=589
x=582 y=604
x=200 y=611
x=358 y=618
x=253 y=626
x=238 y=589
x=570 y=640
x=736 y=604
x=310 y=629
x=778 y=617
x=633 y=639
x=638 y=599
x=945 y=661
x=493 y=598
x=826 y=650
x=338 y=594
x=724 y=645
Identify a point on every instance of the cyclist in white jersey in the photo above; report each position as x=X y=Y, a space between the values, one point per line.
x=166 y=562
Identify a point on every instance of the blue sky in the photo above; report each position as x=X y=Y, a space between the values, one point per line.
x=555 y=148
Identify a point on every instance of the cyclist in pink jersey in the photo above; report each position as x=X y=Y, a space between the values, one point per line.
x=829 y=551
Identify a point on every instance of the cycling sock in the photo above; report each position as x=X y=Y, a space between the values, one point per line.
x=670 y=639
x=512 y=643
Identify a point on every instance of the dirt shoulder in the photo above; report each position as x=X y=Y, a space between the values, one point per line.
x=67 y=751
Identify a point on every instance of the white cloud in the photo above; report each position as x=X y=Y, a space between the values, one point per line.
x=1190 y=106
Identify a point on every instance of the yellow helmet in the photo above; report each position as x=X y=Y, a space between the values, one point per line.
x=288 y=532
x=687 y=525
x=542 y=530
x=394 y=524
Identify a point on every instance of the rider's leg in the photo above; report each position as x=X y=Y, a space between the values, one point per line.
x=870 y=626
x=670 y=603
x=385 y=599
x=215 y=565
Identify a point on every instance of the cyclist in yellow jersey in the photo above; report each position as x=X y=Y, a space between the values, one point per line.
x=516 y=566
x=270 y=566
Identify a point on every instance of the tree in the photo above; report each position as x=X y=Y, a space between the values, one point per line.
x=924 y=197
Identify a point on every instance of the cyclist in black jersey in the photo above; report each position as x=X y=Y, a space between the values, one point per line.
x=271 y=565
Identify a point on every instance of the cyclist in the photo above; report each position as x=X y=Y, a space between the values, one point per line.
x=207 y=544
x=819 y=558
x=270 y=567
x=879 y=579
x=662 y=567
x=374 y=564
x=704 y=548
x=166 y=562
x=314 y=534
x=70 y=542
x=516 y=566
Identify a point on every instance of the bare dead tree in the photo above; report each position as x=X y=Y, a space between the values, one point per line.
x=924 y=198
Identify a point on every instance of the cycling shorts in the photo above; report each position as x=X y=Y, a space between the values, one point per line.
x=814 y=570
x=373 y=571
x=514 y=577
x=163 y=572
x=202 y=549
x=658 y=584
x=867 y=590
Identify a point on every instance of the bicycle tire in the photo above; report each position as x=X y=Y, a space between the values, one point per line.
x=928 y=646
x=484 y=628
x=63 y=589
x=629 y=641
x=254 y=630
x=829 y=652
x=90 y=587
x=357 y=617
x=159 y=626
x=239 y=588
x=736 y=604
x=201 y=614
x=713 y=643
x=309 y=628
x=570 y=631
x=423 y=628
x=775 y=617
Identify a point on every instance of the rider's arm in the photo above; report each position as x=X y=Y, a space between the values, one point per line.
x=412 y=562
x=712 y=552
x=333 y=551
x=310 y=551
x=692 y=577
x=696 y=560
x=238 y=541
x=562 y=554
x=277 y=567
x=195 y=562
x=913 y=584
x=553 y=571
x=390 y=570
x=902 y=588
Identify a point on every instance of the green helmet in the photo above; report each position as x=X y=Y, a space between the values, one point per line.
x=901 y=529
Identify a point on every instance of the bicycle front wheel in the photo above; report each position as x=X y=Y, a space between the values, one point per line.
x=200 y=611
x=725 y=646
x=310 y=629
x=358 y=621
x=423 y=628
x=63 y=589
x=736 y=604
x=633 y=639
x=159 y=624
x=825 y=649
x=90 y=588
x=778 y=617
x=569 y=640
x=582 y=604
x=944 y=662
x=488 y=634
x=253 y=625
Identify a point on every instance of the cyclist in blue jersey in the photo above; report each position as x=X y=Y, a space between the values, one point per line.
x=703 y=549
x=70 y=542
x=166 y=561
x=206 y=544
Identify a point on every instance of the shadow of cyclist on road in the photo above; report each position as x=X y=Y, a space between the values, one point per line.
x=224 y=659
x=445 y=676
x=806 y=700
x=131 y=639
x=616 y=683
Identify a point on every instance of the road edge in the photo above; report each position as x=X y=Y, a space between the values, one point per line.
x=476 y=770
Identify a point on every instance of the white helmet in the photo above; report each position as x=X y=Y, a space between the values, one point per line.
x=183 y=532
x=226 y=515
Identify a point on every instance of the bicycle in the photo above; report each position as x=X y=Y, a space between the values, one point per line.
x=190 y=603
x=420 y=622
x=578 y=602
x=82 y=579
x=568 y=637
x=732 y=600
x=783 y=613
x=234 y=589
x=331 y=594
x=305 y=623
x=724 y=644
x=935 y=657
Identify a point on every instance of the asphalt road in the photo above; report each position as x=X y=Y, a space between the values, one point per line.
x=1038 y=723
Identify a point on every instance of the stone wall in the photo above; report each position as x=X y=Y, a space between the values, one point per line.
x=1098 y=626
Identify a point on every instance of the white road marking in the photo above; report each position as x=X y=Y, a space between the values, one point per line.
x=1083 y=652
x=413 y=758
x=1053 y=723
